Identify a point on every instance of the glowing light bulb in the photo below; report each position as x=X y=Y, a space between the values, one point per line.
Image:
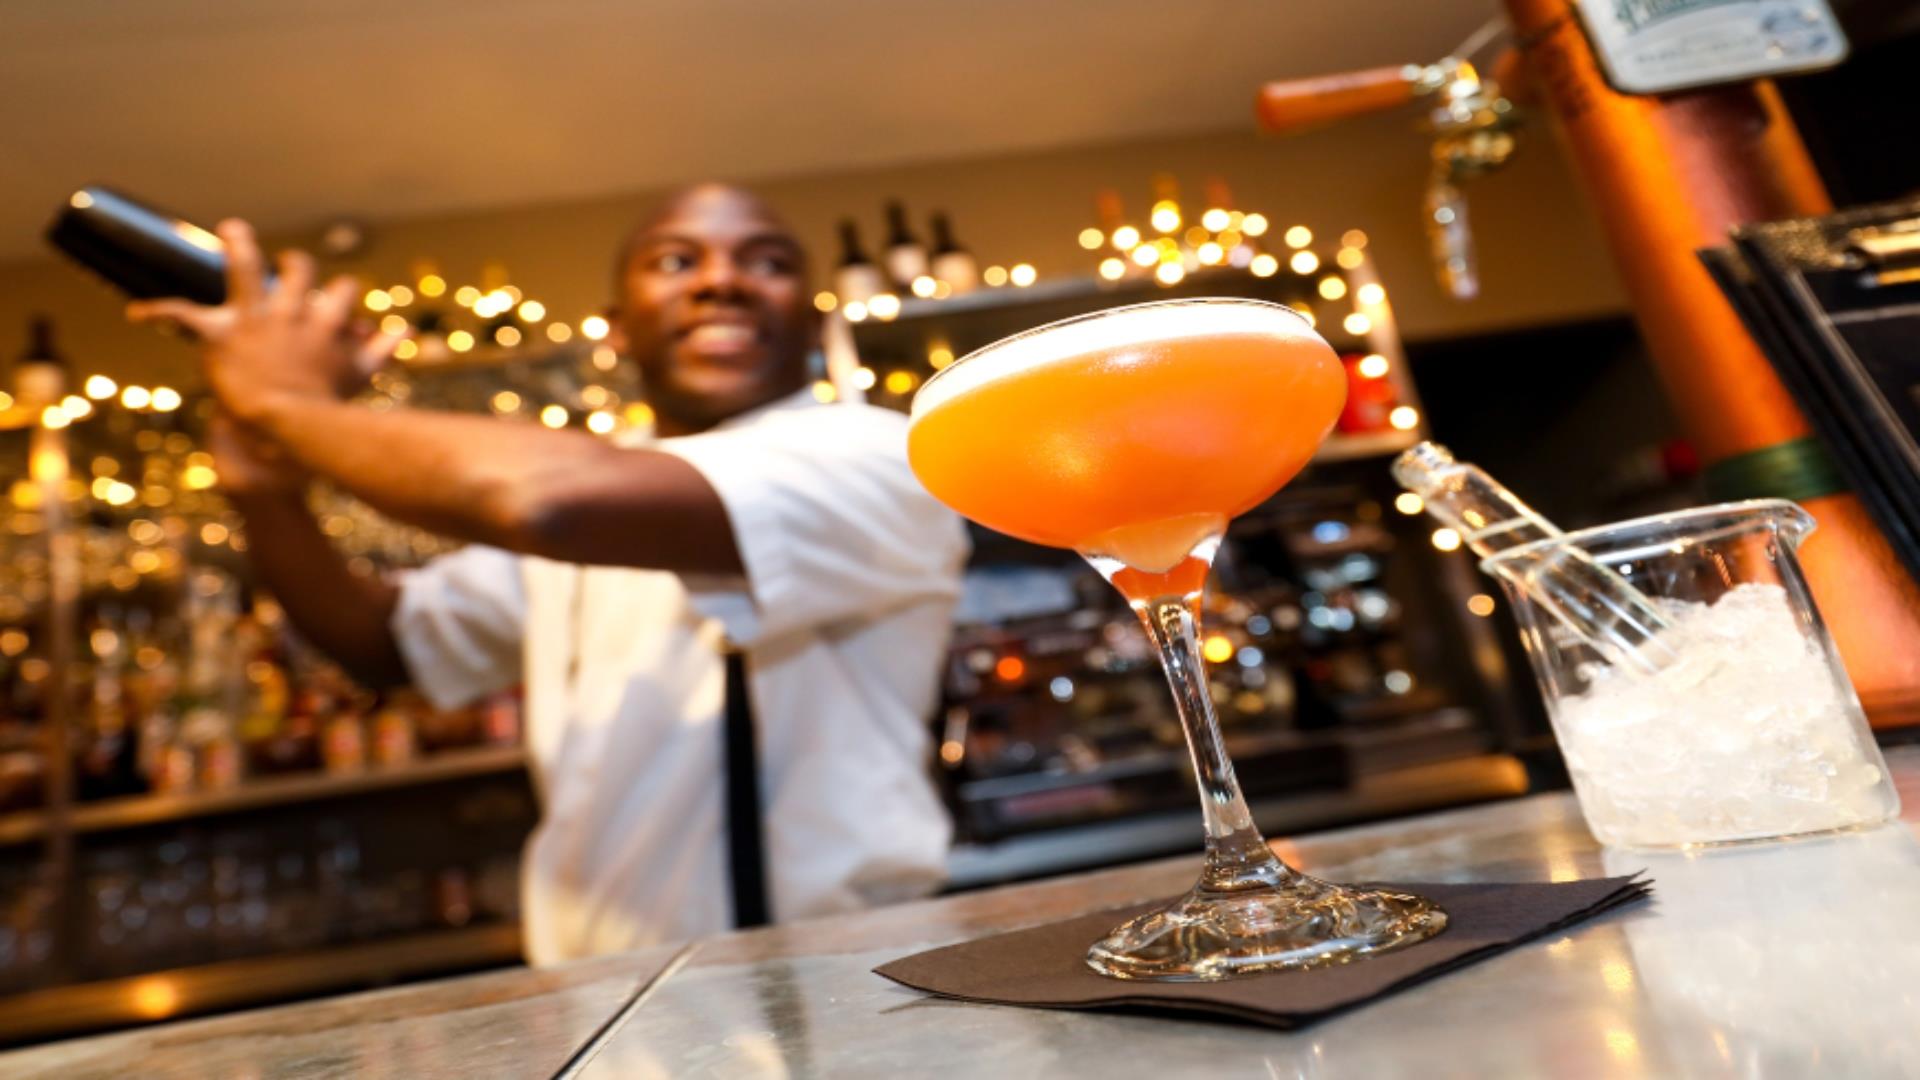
x=1166 y=216
x=600 y=423
x=901 y=382
x=1332 y=288
x=884 y=306
x=594 y=327
x=99 y=387
x=1446 y=540
x=53 y=417
x=466 y=296
x=1404 y=417
x=1264 y=265
x=136 y=397
x=939 y=357
x=406 y=350
x=824 y=301
x=1482 y=605
x=400 y=295
x=1112 y=268
x=1217 y=650
x=1304 y=262
x=855 y=311
x=1126 y=237
x=1409 y=503
x=1216 y=220
x=924 y=287
x=433 y=285
x=507 y=335
x=1254 y=224
x=505 y=401
x=1146 y=255
x=1298 y=236
x=1349 y=258
x=1091 y=239
x=994 y=275
x=532 y=311
x=1353 y=238
x=1210 y=254
x=1170 y=273
x=76 y=407
x=554 y=416
x=393 y=324
x=824 y=392
x=1372 y=366
x=558 y=332
x=604 y=358
x=1357 y=324
x=460 y=341
x=863 y=378
x=1371 y=293
x=1022 y=275
x=378 y=300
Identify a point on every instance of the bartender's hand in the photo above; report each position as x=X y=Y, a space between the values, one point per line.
x=274 y=343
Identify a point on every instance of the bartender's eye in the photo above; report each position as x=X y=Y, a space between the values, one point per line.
x=671 y=262
x=770 y=263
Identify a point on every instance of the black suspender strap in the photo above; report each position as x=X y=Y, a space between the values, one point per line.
x=746 y=853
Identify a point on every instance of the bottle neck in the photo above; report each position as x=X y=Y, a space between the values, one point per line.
x=943 y=236
x=898 y=234
x=851 y=255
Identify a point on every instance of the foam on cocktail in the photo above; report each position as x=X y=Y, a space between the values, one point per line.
x=1135 y=434
x=1114 y=332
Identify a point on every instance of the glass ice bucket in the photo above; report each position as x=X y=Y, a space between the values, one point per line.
x=1746 y=728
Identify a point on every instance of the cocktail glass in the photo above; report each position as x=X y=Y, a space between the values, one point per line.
x=1133 y=436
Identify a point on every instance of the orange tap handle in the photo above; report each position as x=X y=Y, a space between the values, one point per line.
x=1293 y=104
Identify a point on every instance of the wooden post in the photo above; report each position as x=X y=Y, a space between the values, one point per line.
x=1668 y=175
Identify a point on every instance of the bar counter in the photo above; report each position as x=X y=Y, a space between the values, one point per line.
x=1787 y=959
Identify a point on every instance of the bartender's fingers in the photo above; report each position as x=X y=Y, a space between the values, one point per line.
x=244 y=277
x=207 y=322
x=375 y=351
x=333 y=304
x=289 y=295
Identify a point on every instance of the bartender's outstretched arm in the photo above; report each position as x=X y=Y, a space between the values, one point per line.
x=279 y=359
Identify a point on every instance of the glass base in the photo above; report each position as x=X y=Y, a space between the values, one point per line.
x=1208 y=934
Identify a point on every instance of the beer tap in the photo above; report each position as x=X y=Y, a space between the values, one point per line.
x=1473 y=125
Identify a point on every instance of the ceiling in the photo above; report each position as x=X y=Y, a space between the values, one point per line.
x=292 y=111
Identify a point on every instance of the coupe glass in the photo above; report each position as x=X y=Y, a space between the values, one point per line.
x=1133 y=436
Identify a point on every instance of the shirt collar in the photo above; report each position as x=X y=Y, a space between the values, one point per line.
x=800 y=399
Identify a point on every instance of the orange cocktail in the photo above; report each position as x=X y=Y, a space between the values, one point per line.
x=1133 y=436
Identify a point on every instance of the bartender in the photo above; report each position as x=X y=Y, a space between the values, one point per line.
x=767 y=567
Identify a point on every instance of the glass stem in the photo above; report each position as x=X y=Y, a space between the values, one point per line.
x=1237 y=855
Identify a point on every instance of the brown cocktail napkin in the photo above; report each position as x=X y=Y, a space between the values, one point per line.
x=1045 y=966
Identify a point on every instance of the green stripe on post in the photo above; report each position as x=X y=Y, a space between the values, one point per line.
x=1797 y=470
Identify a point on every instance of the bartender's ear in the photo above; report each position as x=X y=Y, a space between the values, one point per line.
x=616 y=329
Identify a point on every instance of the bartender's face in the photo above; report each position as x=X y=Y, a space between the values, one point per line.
x=714 y=308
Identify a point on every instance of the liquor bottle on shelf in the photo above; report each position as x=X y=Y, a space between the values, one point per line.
x=40 y=373
x=857 y=279
x=952 y=263
x=906 y=256
x=108 y=759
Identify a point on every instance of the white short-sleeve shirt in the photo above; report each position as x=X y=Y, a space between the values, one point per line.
x=852 y=571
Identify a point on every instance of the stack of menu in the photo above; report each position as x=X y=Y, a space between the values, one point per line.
x=1834 y=302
